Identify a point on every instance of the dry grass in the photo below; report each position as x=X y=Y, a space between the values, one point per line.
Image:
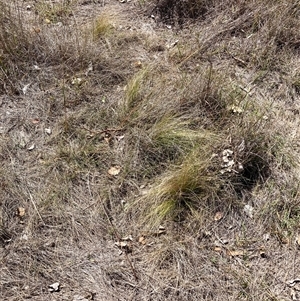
x=132 y=154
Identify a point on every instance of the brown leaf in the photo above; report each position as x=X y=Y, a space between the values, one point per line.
x=21 y=211
x=36 y=29
x=121 y=244
x=124 y=246
x=142 y=240
x=218 y=249
x=218 y=216
x=114 y=170
x=35 y=121
x=234 y=253
x=137 y=64
x=285 y=240
x=107 y=138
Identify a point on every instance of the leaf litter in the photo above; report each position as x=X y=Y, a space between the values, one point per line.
x=114 y=170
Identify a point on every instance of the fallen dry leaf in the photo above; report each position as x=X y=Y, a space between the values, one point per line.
x=25 y=88
x=54 y=287
x=21 y=211
x=35 y=121
x=234 y=253
x=218 y=249
x=36 y=29
x=129 y=237
x=142 y=240
x=285 y=240
x=138 y=64
x=107 y=140
x=248 y=210
x=218 y=216
x=114 y=170
x=31 y=147
x=236 y=109
x=121 y=244
x=124 y=246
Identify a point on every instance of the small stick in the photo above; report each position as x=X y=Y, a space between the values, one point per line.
x=103 y=131
x=35 y=208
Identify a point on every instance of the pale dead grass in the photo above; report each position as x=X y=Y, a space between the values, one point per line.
x=164 y=113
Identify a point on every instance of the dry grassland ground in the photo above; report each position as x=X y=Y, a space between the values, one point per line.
x=149 y=150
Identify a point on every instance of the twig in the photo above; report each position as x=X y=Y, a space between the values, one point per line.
x=103 y=131
x=35 y=208
x=240 y=62
x=208 y=87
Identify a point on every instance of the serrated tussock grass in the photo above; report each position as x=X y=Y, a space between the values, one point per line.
x=188 y=148
x=102 y=26
x=181 y=189
x=54 y=12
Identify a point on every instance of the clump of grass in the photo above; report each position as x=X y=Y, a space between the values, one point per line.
x=133 y=89
x=174 y=136
x=182 y=188
x=16 y=41
x=54 y=12
x=191 y=143
x=102 y=26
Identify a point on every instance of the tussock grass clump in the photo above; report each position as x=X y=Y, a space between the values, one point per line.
x=19 y=46
x=175 y=132
x=54 y=12
x=201 y=177
x=102 y=26
x=184 y=153
x=133 y=90
x=16 y=41
x=181 y=189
